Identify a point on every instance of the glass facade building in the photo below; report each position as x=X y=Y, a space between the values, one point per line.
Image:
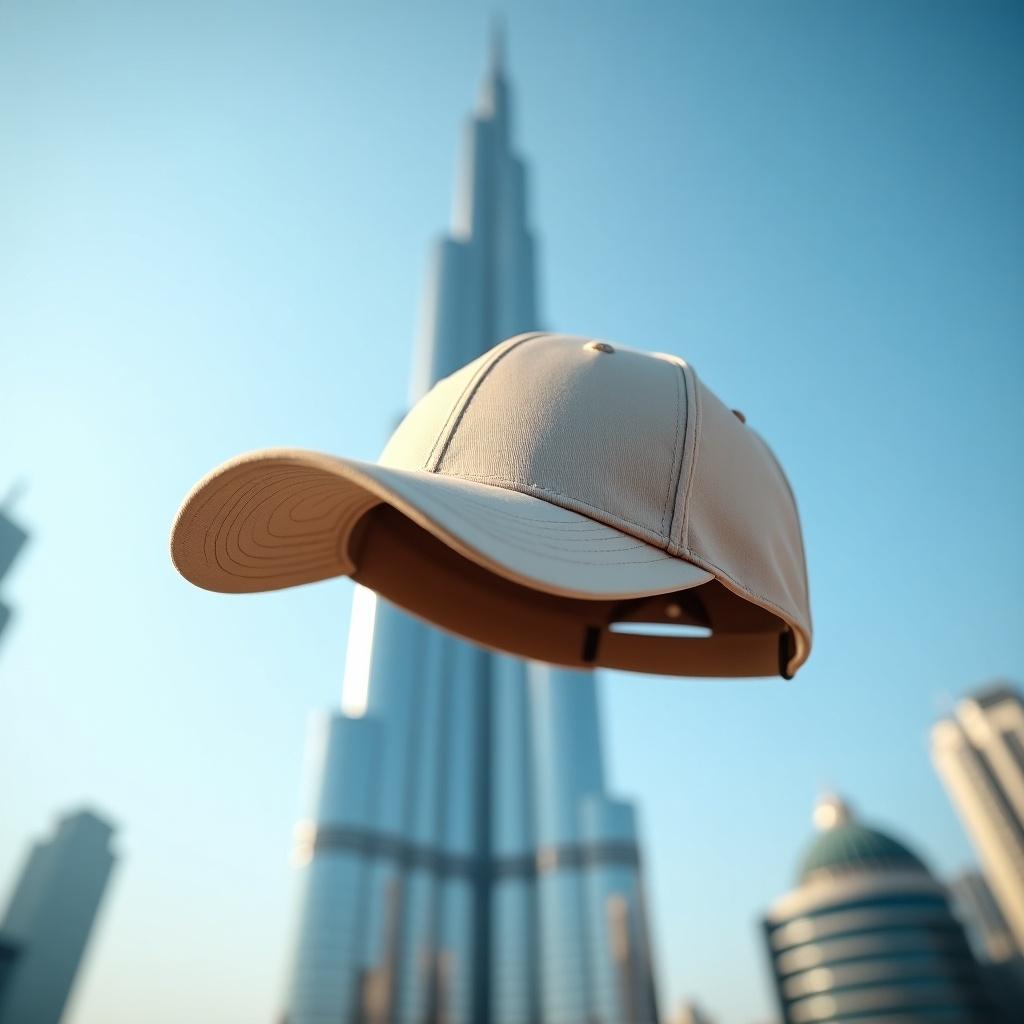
x=50 y=917
x=461 y=860
x=868 y=936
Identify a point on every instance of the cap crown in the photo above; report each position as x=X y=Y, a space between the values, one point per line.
x=631 y=439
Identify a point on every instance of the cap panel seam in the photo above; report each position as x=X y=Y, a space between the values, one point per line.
x=674 y=472
x=679 y=539
x=719 y=573
x=444 y=435
x=796 y=511
x=645 y=533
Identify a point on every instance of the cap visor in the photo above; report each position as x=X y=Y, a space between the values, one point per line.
x=283 y=517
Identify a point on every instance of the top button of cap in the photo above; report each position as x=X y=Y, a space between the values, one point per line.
x=599 y=346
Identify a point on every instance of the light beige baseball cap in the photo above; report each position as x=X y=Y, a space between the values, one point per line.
x=559 y=498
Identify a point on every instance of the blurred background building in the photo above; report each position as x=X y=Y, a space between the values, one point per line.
x=691 y=1013
x=979 y=755
x=991 y=940
x=868 y=935
x=12 y=540
x=462 y=859
x=987 y=931
x=50 y=916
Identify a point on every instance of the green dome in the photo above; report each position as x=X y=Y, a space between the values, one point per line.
x=846 y=845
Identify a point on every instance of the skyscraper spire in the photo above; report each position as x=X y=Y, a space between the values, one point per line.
x=494 y=95
x=482 y=280
x=463 y=859
x=497 y=45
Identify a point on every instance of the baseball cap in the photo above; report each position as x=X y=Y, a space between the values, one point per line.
x=560 y=498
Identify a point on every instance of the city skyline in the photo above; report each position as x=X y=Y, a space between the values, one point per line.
x=214 y=242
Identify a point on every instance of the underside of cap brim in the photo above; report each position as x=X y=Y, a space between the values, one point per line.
x=283 y=517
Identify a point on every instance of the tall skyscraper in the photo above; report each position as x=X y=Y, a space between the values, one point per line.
x=462 y=859
x=979 y=754
x=992 y=941
x=987 y=931
x=868 y=935
x=50 y=916
x=12 y=540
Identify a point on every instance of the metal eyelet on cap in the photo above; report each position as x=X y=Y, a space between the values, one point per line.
x=599 y=346
x=739 y=416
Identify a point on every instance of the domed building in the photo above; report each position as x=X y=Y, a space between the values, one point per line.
x=868 y=935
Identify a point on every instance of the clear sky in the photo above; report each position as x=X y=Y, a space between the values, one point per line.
x=214 y=220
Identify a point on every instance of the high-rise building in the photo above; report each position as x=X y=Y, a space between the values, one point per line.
x=868 y=935
x=992 y=941
x=50 y=916
x=987 y=931
x=12 y=540
x=462 y=860
x=979 y=754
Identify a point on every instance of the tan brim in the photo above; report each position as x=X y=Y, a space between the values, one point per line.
x=283 y=517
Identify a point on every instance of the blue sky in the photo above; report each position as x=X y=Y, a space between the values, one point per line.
x=214 y=220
